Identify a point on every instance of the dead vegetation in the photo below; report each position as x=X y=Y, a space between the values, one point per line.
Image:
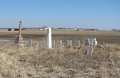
x=39 y=62
x=62 y=62
x=105 y=36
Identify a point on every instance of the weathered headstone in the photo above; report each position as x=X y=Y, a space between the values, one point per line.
x=69 y=43
x=53 y=43
x=78 y=43
x=94 y=39
x=20 y=38
x=15 y=38
x=94 y=42
x=87 y=42
x=91 y=42
x=30 y=42
x=89 y=49
x=59 y=43
x=74 y=42
x=49 y=38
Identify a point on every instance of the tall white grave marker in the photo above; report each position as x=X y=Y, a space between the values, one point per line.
x=49 y=38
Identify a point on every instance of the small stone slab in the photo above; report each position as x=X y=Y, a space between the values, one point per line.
x=91 y=42
x=87 y=42
x=69 y=43
x=15 y=38
x=53 y=43
x=78 y=43
x=59 y=42
x=89 y=49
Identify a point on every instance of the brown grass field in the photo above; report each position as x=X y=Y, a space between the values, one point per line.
x=106 y=36
x=74 y=62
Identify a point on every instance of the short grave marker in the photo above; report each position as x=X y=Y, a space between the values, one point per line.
x=53 y=43
x=59 y=43
x=89 y=49
x=69 y=43
x=87 y=42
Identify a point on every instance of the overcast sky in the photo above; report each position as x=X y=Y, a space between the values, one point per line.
x=97 y=14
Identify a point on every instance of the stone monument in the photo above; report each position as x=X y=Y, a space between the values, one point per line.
x=19 y=40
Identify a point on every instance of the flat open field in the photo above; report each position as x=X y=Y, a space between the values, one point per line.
x=105 y=36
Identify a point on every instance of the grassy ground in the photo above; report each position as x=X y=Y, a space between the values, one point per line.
x=38 y=62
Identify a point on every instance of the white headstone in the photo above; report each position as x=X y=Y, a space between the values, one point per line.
x=91 y=42
x=59 y=43
x=94 y=42
x=94 y=39
x=53 y=43
x=87 y=42
x=74 y=42
x=15 y=38
x=69 y=43
x=90 y=49
x=49 y=38
x=78 y=43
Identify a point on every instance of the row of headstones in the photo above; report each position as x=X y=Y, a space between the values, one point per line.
x=59 y=43
x=76 y=43
x=90 y=43
x=68 y=43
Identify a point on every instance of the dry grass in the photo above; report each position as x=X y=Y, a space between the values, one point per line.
x=107 y=36
x=39 y=62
